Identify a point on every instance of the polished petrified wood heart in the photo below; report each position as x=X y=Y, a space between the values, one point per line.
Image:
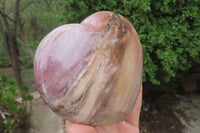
x=91 y=72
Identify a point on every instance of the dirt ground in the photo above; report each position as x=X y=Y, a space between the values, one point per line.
x=188 y=112
x=158 y=113
x=170 y=112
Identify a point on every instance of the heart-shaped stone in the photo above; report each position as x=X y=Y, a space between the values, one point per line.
x=91 y=72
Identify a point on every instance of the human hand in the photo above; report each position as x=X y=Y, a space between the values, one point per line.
x=130 y=125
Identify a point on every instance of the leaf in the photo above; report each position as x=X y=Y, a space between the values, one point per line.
x=9 y=124
x=24 y=88
x=22 y=112
x=29 y=97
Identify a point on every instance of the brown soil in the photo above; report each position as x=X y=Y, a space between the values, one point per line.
x=157 y=113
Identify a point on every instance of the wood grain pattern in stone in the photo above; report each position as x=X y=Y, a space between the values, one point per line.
x=90 y=73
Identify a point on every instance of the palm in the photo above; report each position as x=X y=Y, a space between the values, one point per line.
x=122 y=127
x=131 y=125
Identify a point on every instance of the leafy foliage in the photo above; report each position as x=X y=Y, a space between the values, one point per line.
x=168 y=30
x=4 y=61
x=12 y=112
x=26 y=62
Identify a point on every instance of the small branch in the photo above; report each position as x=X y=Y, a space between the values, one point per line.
x=3 y=4
x=2 y=11
x=16 y=18
x=27 y=5
x=5 y=20
x=5 y=15
x=3 y=114
x=1 y=26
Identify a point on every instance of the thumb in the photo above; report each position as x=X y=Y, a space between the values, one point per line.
x=134 y=117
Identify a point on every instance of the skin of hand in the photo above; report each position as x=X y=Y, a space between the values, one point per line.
x=130 y=125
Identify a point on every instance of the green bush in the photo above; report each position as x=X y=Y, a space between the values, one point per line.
x=26 y=62
x=12 y=112
x=169 y=31
x=4 y=62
